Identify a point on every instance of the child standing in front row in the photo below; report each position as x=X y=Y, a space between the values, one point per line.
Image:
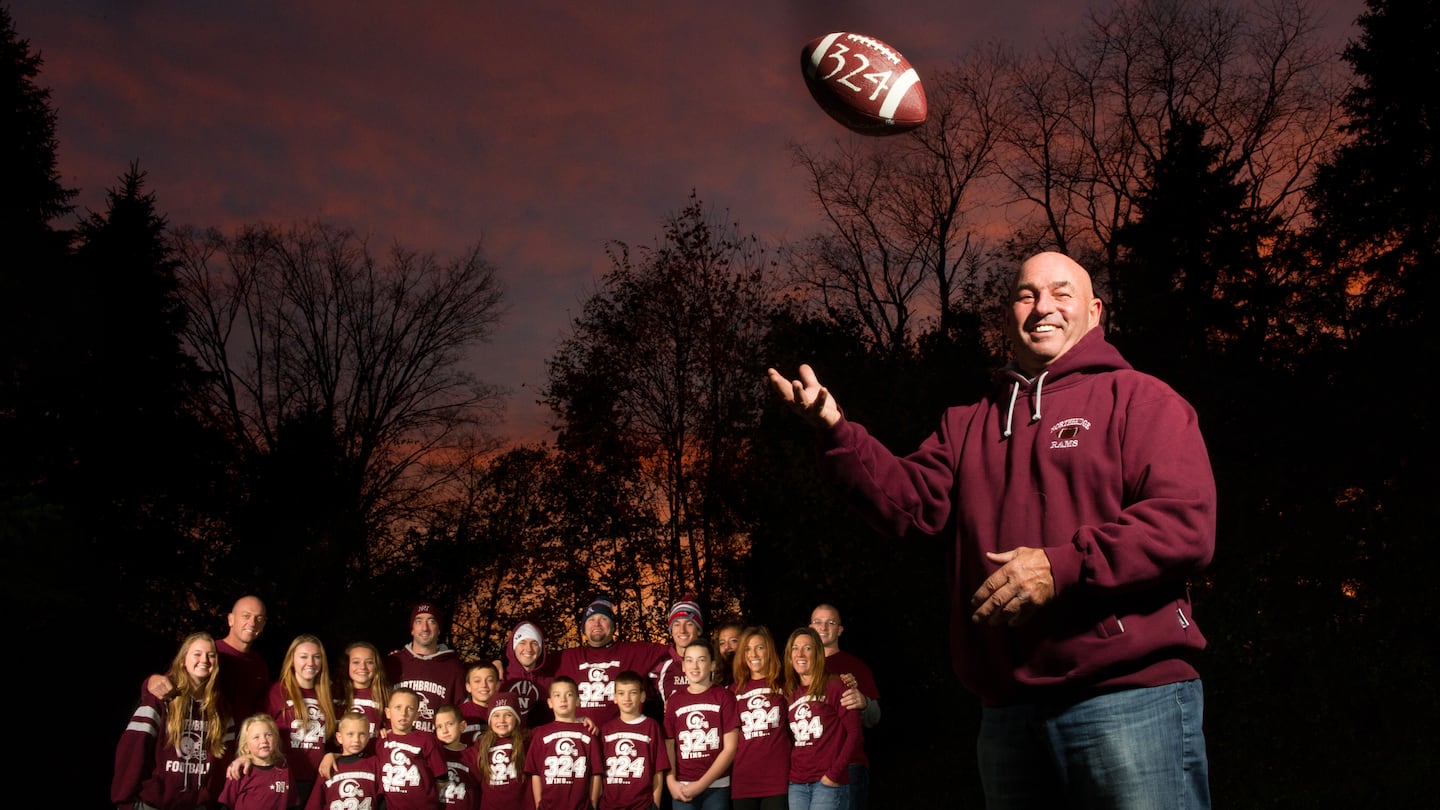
x=354 y=780
x=702 y=724
x=633 y=747
x=564 y=758
x=267 y=785
x=499 y=758
x=461 y=791
x=411 y=761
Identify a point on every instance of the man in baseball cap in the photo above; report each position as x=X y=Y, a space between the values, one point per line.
x=599 y=658
x=427 y=666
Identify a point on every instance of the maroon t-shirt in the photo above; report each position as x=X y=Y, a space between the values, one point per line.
x=508 y=786
x=634 y=752
x=302 y=731
x=826 y=735
x=762 y=761
x=698 y=724
x=355 y=782
x=244 y=680
x=263 y=787
x=410 y=765
x=594 y=670
x=462 y=788
x=564 y=756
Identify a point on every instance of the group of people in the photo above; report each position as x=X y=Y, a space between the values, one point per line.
x=1074 y=531
x=621 y=725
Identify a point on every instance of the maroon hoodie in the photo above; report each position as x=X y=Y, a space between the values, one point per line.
x=531 y=687
x=1100 y=465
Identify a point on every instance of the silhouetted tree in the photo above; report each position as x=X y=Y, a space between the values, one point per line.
x=32 y=197
x=659 y=381
x=98 y=471
x=1377 y=234
x=37 y=352
x=900 y=236
x=1090 y=112
x=1188 y=286
x=149 y=476
x=340 y=381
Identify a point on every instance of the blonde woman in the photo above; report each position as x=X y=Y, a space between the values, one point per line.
x=303 y=707
x=168 y=755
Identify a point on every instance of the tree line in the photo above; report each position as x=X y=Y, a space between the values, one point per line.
x=188 y=415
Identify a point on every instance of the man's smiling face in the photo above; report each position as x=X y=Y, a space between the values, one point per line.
x=1051 y=307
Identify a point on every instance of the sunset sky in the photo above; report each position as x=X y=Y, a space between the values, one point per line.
x=541 y=130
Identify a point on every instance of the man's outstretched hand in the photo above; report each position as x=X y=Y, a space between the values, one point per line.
x=807 y=397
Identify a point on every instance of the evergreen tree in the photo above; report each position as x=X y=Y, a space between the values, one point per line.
x=31 y=195
x=1377 y=233
x=1374 y=200
x=1189 y=282
x=40 y=355
x=36 y=352
x=149 y=473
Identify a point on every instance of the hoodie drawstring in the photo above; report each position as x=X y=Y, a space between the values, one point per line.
x=187 y=755
x=1010 y=411
x=1014 y=394
x=1039 y=383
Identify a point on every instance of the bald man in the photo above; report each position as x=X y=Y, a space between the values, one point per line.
x=1079 y=500
x=244 y=675
x=861 y=694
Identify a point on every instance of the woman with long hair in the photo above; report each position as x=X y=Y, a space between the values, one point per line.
x=170 y=752
x=826 y=733
x=303 y=707
x=365 y=688
x=759 y=779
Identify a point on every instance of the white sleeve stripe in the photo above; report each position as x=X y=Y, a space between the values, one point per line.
x=147 y=729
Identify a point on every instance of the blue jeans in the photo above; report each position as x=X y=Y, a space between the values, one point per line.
x=819 y=796
x=711 y=799
x=1137 y=749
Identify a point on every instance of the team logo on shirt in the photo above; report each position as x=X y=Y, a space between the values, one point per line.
x=759 y=717
x=401 y=772
x=697 y=739
x=805 y=726
x=568 y=764
x=596 y=689
x=455 y=792
x=627 y=763
x=502 y=769
x=1065 y=433
x=524 y=692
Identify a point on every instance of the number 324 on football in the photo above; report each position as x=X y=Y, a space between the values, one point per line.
x=863 y=83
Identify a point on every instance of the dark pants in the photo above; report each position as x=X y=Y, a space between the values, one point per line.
x=859 y=786
x=781 y=802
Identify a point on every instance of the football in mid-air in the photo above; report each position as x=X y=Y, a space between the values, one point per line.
x=863 y=83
